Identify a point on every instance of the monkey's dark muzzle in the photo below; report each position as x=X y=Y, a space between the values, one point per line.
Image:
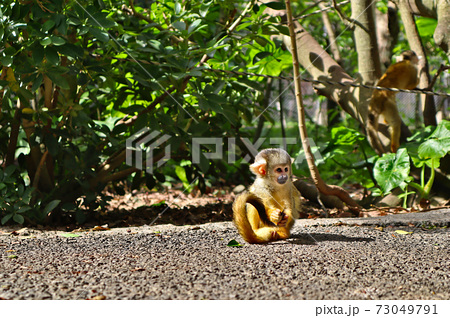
x=282 y=179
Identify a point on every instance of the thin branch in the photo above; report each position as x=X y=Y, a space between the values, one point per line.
x=331 y=35
x=320 y=184
x=349 y=22
x=241 y=16
x=440 y=70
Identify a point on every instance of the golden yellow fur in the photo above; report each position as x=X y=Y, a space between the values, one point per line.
x=267 y=211
x=402 y=75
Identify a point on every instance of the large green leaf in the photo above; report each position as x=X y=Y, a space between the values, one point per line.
x=426 y=26
x=392 y=170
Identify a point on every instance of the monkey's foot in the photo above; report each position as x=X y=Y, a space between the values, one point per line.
x=267 y=234
x=275 y=236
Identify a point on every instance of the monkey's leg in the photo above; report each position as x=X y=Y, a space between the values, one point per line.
x=253 y=217
x=266 y=233
x=393 y=119
x=372 y=132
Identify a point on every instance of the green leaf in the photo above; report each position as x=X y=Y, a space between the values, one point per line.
x=6 y=218
x=100 y=20
x=215 y=98
x=181 y=174
x=194 y=25
x=18 y=218
x=391 y=170
x=52 y=55
x=48 y=25
x=204 y=163
x=9 y=170
x=282 y=29
x=24 y=209
x=426 y=26
x=50 y=206
x=177 y=8
x=25 y=93
x=58 y=41
x=432 y=148
x=52 y=144
x=37 y=82
x=442 y=131
x=7 y=60
x=99 y=35
x=438 y=143
x=179 y=25
x=46 y=41
x=276 y=5
x=38 y=54
x=261 y=55
x=71 y=50
x=234 y=243
x=344 y=136
x=158 y=204
x=58 y=79
x=70 y=235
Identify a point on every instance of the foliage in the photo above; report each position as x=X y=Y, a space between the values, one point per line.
x=344 y=156
x=14 y=196
x=16 y=199
x=424 y=150
x=80 y=78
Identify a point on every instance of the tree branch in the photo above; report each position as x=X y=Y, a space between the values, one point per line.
x=320 y=184
x=412 y=34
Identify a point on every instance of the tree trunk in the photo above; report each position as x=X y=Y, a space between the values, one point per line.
x=366 y=42
x=427 y=101
x=435 y=9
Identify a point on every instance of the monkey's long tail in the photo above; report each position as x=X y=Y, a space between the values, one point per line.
x=240 y=216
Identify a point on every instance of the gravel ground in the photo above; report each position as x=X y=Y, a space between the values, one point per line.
x=319 y=261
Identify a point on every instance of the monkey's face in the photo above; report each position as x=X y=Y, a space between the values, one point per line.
x=281 y=173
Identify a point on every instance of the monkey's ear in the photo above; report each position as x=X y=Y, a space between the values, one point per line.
x=259 y=168
x=292 y=160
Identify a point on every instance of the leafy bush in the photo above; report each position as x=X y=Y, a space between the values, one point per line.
x=424 y=150
x=80 y=77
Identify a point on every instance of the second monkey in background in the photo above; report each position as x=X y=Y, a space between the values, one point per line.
x=402 y=75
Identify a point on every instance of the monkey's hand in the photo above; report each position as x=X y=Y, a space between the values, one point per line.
x=279 y=218
x=283 y=221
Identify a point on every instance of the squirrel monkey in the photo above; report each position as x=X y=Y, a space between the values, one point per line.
x=401 y=75
x=267 y=211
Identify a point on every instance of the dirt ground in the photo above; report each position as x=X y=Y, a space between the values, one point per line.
x=174 y=206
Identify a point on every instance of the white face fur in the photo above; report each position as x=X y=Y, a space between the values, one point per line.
x=281 y=173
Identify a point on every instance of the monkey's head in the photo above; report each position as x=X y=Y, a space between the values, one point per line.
x=274 y=164
x=409 y=55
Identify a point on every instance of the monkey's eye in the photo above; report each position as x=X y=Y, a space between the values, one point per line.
x=286 y=169
x=279 y=170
